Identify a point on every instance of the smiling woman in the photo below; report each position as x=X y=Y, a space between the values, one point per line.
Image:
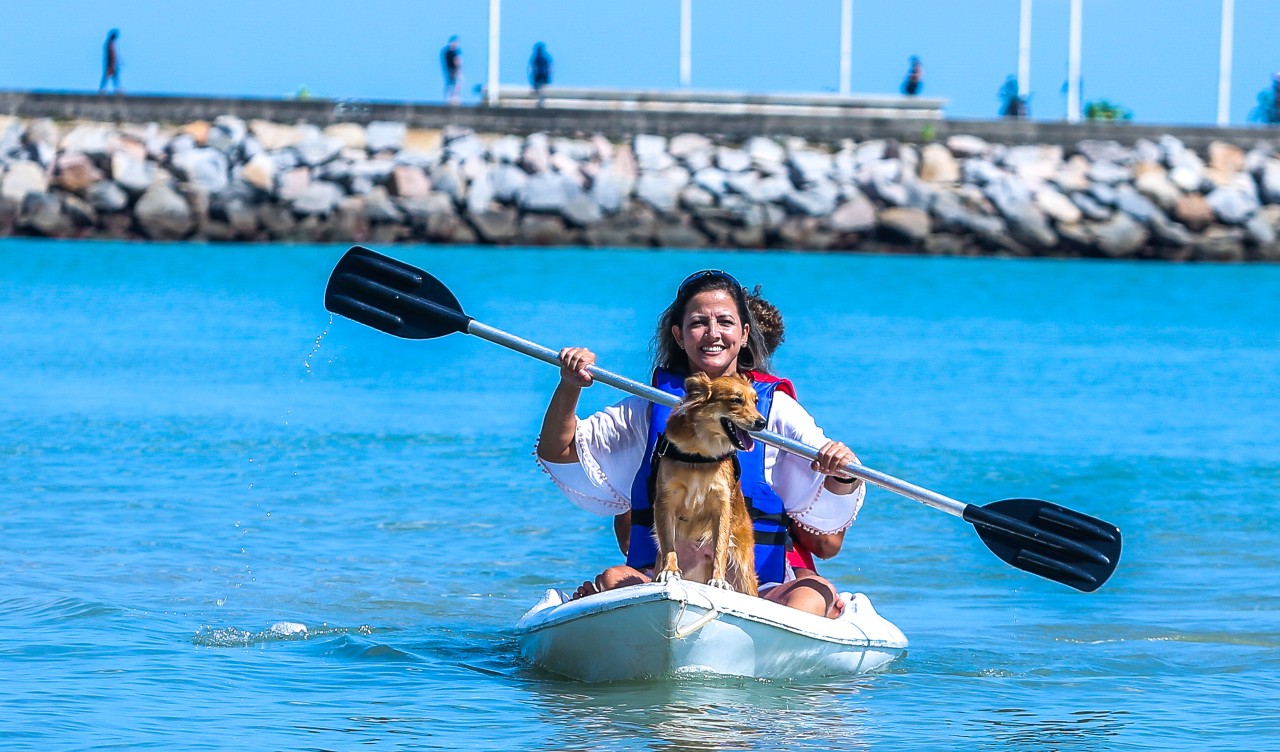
x=604 y=463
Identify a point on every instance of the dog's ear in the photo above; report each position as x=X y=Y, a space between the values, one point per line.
x=697 y=389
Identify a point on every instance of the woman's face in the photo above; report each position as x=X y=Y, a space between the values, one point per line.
x=712 y=333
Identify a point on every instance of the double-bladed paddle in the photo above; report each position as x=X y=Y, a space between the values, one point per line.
x=1035 y=536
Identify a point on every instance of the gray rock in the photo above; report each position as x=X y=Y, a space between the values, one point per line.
x=694 y=197
x=42 y=214
x=905 y=225
x=950 y=211
x=1104 y=151
x=1220 y=244
x=90 y=139
x=711 y=179
x=376 y=171
x=227 y=133
x=1169 y=233
x=857 y=214
x=980 y=171
x=480 y=194
x=656 y=191
x=506 y=150
x=764 y=150
x=1091 y=207
x=581 y=210
x=967 y=146
x=1232 y=206
x=448 y=178
x=1260 y=231
x=382 y=135
x=380 y=209
x=573 y=148
x=546 y=192
x=687 y=144
x=536 y=157
x=79 y=211
x=319 y=198
x=819 y=201
x=809 y=167
x=1058 y=207
x=651 y=152
x=464 y=147
x=732 y=160
x=1109 y=173
x=609 y=192
x=23 y=177
x=203 y=166
x=106 y=196
x=1103 y=194
x=496 y=226
x=1156 y=186
x=1121 y=237
x=1136 y=205
x=11 y=138
x=316 y=149
x=1145 y=150
x=508 y=180
x=163 y=214
x=1269 y=181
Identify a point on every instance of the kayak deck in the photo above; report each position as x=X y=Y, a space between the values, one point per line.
x=669 y=629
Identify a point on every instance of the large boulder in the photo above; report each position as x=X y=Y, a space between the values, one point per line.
x=651 y=152
x=1269 y=181
x=23 y=177
x=1121 y=237
x=937 y=165
x=382 y=135
x=409 y=182
x=163 y=214
x=206 y=167
x=656 y=191
x=76 y=172
x=319 y=198
x=808 y=168
x=1232 y=206
x=259 y=172
x=133 y=174
x=905 y=225
x=227 y=133
x=731 y=160
x=857 y=214
x=107 y=196
x=546 y=193
x=1058 y=207
x=1193 y=211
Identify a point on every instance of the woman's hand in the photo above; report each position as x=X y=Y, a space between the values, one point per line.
x=831 y=462
x=573 y=366
x=832 y=458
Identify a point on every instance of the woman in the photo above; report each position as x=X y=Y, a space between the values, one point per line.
x=600 y=462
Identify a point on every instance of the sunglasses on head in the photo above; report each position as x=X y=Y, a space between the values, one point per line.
x=708 y=274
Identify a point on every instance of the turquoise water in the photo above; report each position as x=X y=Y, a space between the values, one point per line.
x=193 y=456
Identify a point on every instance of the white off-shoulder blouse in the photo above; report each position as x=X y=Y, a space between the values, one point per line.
x=611 y=446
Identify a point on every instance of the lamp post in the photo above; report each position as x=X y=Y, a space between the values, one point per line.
x=1073 y=64
x=686 y=42
x=495 y=15
x=1224 y=62
x=1024 y=51
x=846 y=46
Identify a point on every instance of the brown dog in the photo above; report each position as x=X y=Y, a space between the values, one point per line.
x=701 y=522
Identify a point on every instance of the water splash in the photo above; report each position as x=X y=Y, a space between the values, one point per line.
x=315 y=349
x=284 y=631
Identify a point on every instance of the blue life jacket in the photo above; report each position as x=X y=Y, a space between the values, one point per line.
x=768 y=515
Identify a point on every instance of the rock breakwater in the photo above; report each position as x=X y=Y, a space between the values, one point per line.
x=231 y=180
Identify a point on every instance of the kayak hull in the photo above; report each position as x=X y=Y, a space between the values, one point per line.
x=669 y=629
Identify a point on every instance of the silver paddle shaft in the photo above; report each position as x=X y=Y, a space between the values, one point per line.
x=547 y=355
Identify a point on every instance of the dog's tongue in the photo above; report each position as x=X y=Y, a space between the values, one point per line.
x=745 y=439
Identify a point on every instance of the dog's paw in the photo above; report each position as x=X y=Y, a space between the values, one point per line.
x=720 y=584
x=667 y=575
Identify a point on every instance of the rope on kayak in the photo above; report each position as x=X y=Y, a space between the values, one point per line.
x=711 y=615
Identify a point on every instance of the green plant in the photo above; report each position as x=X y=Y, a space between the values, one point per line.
x=928 y=133
x=1107 y=111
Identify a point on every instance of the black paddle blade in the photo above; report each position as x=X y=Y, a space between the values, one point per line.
x=392 y=296
x=1052 y=541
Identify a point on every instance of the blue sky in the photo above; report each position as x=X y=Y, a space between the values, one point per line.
x=1159 y=58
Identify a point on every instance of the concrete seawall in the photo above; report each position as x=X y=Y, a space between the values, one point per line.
x=317 y=171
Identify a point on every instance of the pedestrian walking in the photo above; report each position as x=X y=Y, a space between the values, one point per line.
x=110 y=63
x=539 y=71
x=451 y=61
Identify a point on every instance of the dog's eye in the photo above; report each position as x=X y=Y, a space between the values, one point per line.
x=736 y=401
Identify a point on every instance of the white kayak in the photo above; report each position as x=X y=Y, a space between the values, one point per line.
x=680 y=627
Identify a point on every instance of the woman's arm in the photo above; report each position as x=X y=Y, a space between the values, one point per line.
x=560 y=423
x=821 y=545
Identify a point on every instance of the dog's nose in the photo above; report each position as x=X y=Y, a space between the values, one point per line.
x=759 y=424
